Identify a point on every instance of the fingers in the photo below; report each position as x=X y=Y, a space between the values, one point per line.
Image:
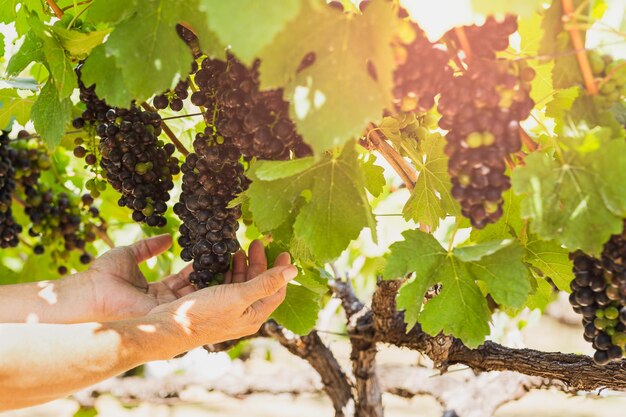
x=257 y=261
x=282 y=259
x=268 y=283
x=179 y=283
x=262 y=309
x=240 y=264
x=150 y=247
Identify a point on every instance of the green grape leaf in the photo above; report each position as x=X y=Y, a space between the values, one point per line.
x=298 y=312
x=505 y=274
x=611 y=163
x=374 y=176
x=14 y=107
x=312 y=280
x=332 y=187
x=542 y=295
x=50 y=114
x=110 y=11
x=57 y=62
x=551 y=259
x=419 y=252
x=560 y=105
x=109 y=83
x=460 y=308
x=410 y=299
x=31 y=50
x=274 y=170
x=518 y=7
x=147 y=42
x=79 y=44
x=7 y=11
x=509 y=225
x=566 y=198
x=431 y=200
x=342 y=47
x=530 y=33
x=338 y=188
x=257 y=24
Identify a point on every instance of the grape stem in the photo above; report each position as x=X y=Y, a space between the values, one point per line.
x=397 y=162
x=181 y=148
x=526 y=139
x=579 y=48
x=55 y=8
x=181 y=116
x=80 y=3
x=104 y=236
x=465 y=45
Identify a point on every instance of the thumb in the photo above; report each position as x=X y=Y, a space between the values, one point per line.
x=267 y=283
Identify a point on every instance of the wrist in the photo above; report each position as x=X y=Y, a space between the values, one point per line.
x=165 y=336
x=78 y=291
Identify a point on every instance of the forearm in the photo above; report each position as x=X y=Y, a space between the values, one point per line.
x=67 y=300
x=42 y=362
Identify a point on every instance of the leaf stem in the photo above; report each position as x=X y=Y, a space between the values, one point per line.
x=181 y=148
x=55 y=8
x=579 y=48
x=397 y=162
x=457 y=225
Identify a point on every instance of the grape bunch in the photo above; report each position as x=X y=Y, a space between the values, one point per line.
x=135 y=162
x=62 y=222
x=422 y=69
x=212 y=176
x=256 y=122
x=9 y=229
x=612 y=79
x=487 y=39
x=173 y=99
x=599 y=295
x=29 y=159
x=481 y=109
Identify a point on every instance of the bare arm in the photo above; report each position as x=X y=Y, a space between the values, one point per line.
x=112 y=289
x=65 y=300
x=42 y=362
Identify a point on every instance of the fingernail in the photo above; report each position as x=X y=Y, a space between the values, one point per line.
x=290 y=272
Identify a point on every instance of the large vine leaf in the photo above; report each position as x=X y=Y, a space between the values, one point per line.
x=50 y=114
x=298 y=312
x=79 y=44
x=323 y=48
x=574 y=200
x=258 y=22
x=14 y=107
x=551 y=259
x=460 y=308
x=431 y=200
x=147 y=43
x=57 y=62
x=110 y=83
x=31 y=50
x=332 y=188
x=111 y=11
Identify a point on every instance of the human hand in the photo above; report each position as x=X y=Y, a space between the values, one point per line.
x=238 y=308
x=120 y=290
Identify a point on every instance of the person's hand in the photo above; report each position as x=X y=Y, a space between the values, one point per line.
x=226 y=312
x=120 y=291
